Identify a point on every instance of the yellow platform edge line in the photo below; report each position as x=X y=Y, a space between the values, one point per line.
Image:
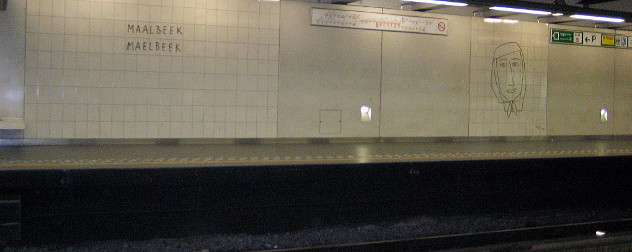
x=72 y=165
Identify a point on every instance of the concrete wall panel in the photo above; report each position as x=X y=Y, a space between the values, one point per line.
x=622 y=116
x=425 y=85
x=12 y=28
x=581 y=83
x=325 y=68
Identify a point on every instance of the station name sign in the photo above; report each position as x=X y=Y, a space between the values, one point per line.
x=155 y=38
x=559 y=36
x=378 y=21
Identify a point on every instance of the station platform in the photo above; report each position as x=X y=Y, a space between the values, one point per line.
x=37 y=155
x=114 y=189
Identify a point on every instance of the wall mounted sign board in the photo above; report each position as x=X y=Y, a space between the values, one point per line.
x=565 y=37
x=607 y=40
x=377 y=21
x=621 y=41
x=592 y=39
x=589 y=39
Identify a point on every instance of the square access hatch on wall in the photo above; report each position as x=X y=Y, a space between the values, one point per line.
x=330 y=121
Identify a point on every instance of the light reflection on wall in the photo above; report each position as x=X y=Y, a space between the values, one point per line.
x=363 y=153
x=14 y=95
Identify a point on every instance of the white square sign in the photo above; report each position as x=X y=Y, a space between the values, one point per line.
x=621 y=41
x=579 y=38
x=592 y=38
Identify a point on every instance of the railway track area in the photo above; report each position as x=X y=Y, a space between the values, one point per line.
x=497 y=232
x=589 y=236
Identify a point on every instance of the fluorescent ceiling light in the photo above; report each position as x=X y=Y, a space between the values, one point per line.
x=519 y=10
x=439 y=2
x=598 y=18
x=499 y=20
x=557 y=14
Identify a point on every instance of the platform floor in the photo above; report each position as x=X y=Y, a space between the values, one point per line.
x=24 y=157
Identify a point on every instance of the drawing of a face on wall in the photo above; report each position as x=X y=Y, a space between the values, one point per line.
x=508 y=77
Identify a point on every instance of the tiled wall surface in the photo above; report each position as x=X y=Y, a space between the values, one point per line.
x=151 y=68
x=210 y=69
x=494 y=116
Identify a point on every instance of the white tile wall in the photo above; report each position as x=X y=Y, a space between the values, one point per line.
x=82 y=82
x=487 y=115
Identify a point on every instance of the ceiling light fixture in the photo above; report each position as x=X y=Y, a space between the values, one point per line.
x=493 y=20
x=500 y=20
x=450 y=3
x=519 y=10
x=557 y=14
x=598 y=18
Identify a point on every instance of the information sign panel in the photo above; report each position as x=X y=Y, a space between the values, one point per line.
x=559 y=36
x=620 y=41
x=562 y=36
x=607 y=40
x=378 y=21
x=592 y=38
x=579 y=38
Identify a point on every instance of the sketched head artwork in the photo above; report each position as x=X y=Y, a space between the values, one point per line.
x=508 y=77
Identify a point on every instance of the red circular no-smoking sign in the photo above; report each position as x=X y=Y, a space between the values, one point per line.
x=441 y=26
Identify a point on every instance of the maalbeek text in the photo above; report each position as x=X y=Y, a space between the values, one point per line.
x=154 y=29
x=150 y=46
